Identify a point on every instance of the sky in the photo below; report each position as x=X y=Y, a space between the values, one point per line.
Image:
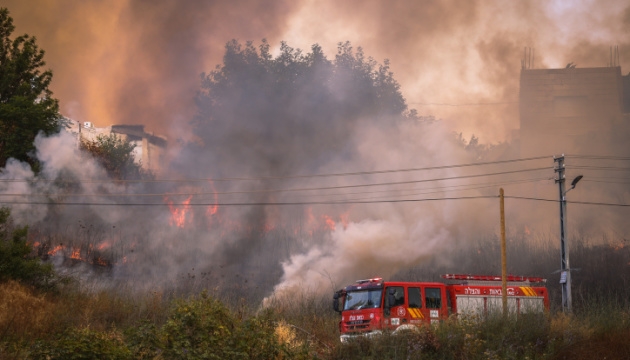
x=139 y=62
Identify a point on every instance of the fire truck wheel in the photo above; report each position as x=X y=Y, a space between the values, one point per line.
x=405 y=328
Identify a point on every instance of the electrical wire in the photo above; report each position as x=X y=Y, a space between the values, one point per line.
x=598 y=157
x=435 y=191
x=568 y=202
x=255 y=203
x=304 y=189
x=608 y=182
x=464 y=104
x=297 y=176
x=585 y=167
x=342 y=202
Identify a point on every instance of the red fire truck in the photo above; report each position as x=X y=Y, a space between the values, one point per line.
x=370 y=306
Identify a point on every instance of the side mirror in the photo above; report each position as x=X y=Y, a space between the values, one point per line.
x=391 y=298
x=336 y=297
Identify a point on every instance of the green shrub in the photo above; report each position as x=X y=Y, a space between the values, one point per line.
x=202 y=327
x=17 y=261
x=80 y=344
x=144 y=341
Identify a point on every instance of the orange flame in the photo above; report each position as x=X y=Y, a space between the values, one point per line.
x=178 y=213
x=103 y=245
x=55 y=250
x=330 y=223
x=213 y=209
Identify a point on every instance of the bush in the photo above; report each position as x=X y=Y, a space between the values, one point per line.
x=82 y=344
x=203 y=328
x=17 y=261
x=199 y=328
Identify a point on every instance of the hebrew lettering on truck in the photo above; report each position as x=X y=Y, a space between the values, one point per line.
x=371 y=306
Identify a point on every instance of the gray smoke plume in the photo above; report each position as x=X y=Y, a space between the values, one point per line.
x=127 y=62
x=139 y=62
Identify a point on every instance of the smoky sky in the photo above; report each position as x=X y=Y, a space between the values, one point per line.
x=139 y=61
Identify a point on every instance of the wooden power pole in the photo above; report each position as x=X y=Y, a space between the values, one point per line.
x=503 y=257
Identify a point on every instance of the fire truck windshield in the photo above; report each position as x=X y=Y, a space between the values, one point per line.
x=362 y=299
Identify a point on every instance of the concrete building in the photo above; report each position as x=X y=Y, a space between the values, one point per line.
x=574 y=110
x=149 y=149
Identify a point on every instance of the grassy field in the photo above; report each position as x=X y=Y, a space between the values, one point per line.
x=77 y=321
x=75 y=324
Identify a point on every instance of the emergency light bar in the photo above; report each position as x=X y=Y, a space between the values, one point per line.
x=511 y=278
x=369 y=280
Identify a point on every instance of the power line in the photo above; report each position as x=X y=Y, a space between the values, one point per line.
x=569 y=202
x=296 y=176
x=464 y=104
x=257 y=203
x=608 y=182
x=435 y=190
x=598 y=157
x=311 y=202
x=585 y=167
x=302 y=189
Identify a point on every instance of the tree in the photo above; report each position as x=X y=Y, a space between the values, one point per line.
x=17 y=261
x=277 y=115
x=116 y=156
x=26 y=103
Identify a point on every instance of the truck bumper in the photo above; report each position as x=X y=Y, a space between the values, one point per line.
x=368 y=334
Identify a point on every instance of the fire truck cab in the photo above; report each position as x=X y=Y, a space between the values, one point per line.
x=371 y=306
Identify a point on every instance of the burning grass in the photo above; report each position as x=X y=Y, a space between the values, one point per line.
x=123 y=321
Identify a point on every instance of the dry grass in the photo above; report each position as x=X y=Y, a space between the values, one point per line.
x=23 y=312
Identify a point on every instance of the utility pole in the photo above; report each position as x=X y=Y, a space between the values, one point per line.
x=503 y=256
x=565 y=269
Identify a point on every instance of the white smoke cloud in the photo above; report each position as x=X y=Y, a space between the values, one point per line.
x=369 y=248
x=384 y=238
x=14 y=180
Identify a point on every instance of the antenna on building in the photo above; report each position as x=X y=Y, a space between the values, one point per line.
x=617 y=52
x=614 y=56
x=528 y=58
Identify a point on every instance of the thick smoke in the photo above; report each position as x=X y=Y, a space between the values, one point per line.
x=139 y=62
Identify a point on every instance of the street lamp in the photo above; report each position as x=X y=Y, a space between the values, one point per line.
x=565 y=269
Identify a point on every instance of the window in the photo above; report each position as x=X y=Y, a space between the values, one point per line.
x=433 y=298
x=415 y=298
x=363 y=299
x=449 y=303
x=395 y=296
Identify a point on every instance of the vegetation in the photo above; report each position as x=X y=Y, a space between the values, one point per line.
x=26 y=103
x=17 y=261
x=76 y=324
x=118 y=322
x=115 y=154
x=293 y=110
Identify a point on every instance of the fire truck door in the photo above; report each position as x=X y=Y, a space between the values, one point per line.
x=417 y=313
x=396 y=313
x=433 y=310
